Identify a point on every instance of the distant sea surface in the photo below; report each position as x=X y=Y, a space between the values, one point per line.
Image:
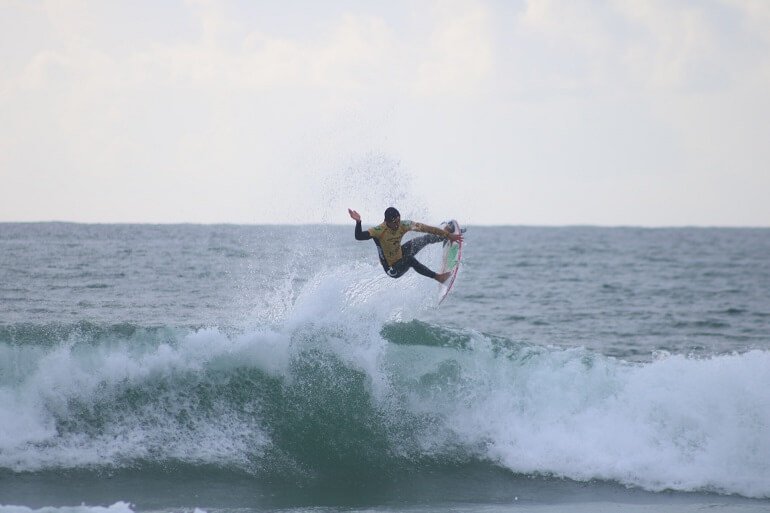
x=263 y=368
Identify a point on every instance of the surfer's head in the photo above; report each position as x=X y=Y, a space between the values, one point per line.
x=392 y=217
x=391 y=213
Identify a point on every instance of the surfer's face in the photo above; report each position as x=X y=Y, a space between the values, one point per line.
x=393 y=223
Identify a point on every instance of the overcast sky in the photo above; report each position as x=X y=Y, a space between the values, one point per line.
x=607 y=112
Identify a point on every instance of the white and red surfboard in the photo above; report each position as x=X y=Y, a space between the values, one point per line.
x=450 y=260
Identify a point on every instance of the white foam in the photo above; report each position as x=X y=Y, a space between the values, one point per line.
x=76 y=377
x=118 y=507
x=678 y=423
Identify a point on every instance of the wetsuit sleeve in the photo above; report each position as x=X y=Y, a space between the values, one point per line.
x=430 y=229
x=360 y=234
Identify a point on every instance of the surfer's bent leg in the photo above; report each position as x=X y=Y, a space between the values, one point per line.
x=400 y=268
x=412 y=247
x=417 y=266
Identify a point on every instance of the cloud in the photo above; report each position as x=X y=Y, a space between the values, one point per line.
x=459 y=57
x=656 y=44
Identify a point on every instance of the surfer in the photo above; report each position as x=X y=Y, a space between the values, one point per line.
x=395 y=258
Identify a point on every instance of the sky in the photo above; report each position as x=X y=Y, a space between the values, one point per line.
x=510 y=112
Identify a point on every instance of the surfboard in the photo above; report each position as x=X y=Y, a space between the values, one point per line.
x=450 y=260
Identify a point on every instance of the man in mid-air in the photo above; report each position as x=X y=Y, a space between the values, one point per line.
x=395 y=258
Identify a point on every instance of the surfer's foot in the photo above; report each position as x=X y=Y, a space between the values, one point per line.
x=441 y=278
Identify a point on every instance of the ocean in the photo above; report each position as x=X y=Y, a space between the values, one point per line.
x=225 y=368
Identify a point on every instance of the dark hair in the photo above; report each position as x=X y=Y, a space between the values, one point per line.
x=391 y=213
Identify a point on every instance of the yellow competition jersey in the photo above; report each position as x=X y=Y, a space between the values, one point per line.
x=390 y=240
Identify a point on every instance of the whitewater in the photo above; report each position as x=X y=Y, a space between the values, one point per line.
x=570 y=365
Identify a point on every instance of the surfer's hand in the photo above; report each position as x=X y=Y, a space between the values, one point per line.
x=455 y=237
x=355 y=215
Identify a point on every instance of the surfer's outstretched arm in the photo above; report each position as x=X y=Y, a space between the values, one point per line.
x=360 y=234
x=426 y=228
